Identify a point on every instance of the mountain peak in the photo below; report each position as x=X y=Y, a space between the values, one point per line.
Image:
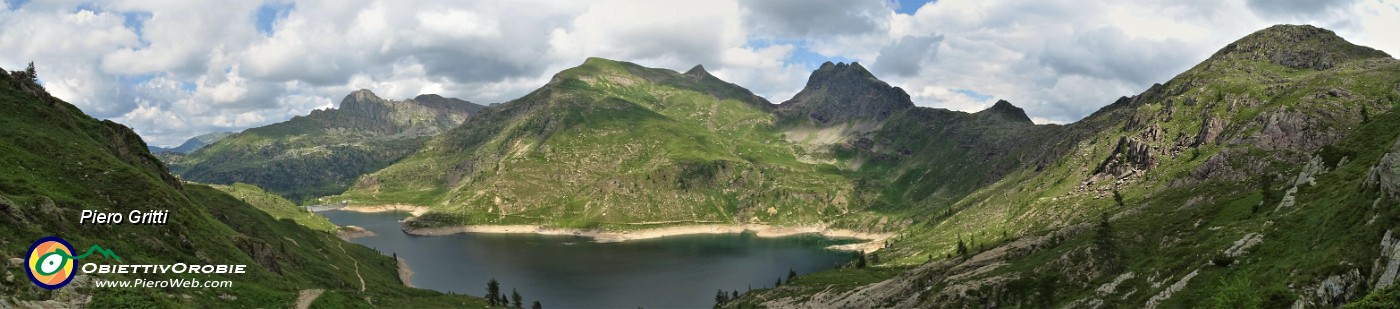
x=1005 y=110
x=698 y=70
x=1295 y=46
x=428 y=97
x=362 y=94
x=839 y=71
x=362 y=101
x=839 y=91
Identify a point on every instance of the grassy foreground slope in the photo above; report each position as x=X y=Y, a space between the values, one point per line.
x=1265 y=176
x=56 y=161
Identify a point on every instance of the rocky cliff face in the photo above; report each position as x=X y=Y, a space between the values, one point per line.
x=837 y=93
x=1385 y=176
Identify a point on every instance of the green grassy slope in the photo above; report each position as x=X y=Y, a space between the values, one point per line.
x=322 y=153
x=618 y=145
x=1208 y=166
x=56 y=161
x=276 y=206
x=609 y=143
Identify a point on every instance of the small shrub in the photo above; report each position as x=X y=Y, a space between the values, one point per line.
x=1222 y=260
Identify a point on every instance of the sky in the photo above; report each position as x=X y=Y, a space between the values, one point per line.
x=173 y=69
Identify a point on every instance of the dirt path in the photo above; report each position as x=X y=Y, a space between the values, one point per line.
x=357 y=263
x=307 y=297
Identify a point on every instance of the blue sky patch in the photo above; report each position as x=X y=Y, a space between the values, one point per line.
x=908 y=7
x=269 y=13
x=15 y=4
x=975 y=95
x=136 y=21
x=800 y=54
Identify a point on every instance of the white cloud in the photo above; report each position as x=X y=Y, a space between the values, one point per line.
x=459 y=24
x=172 y=69
x=1061 y=60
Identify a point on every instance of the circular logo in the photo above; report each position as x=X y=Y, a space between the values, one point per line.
x=50 y=263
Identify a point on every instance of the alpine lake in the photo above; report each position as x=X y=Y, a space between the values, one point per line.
x=576 y=272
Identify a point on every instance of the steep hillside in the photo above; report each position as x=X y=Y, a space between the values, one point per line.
x=615 y=145
x=907 y=158
x=611 y=143
x=322 y=153
x=56 y=162
x=192 y=144
x=276 y=206
x=1262 y=177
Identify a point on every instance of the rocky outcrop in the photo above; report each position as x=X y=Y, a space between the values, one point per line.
x=1284 y=130
x=1210 y=130
x=839 y=92
x=1128 y=155
x=261 y=252
x=1334 y=291
x=1385 y=175
x=1170 y=290
x=1387 y=265
x=1306 y=177
x=1242 y=246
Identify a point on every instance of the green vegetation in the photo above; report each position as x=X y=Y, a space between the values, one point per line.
x=56 y=161
x=277 y=206
x=1258 y=178
x=612 y=144
x=322 y=153
x=1242 y=181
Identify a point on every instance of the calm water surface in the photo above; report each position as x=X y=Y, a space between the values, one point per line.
x=574 y=272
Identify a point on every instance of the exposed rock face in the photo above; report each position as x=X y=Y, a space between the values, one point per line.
x=1167 y=293
x=130 y=148
x=1385 y=176
x=1128 y=155
x=1334 y=291
x=1217 y=167
x=1210 y=130
x=1305 y=177
x=426 y=114
x=1242 y=246
x=839 y=92
x=1384 y=274
x=1292 y=131
x=261 y=252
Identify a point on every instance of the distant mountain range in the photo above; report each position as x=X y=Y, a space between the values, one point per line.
x=322 y=153
x=192 y=144
x=1265 y=176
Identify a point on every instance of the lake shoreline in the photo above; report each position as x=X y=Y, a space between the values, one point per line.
x=349 y=232
x=872 y=241
x=412 y=210
x=405 y=273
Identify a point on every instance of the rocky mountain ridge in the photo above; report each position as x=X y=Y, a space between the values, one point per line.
x=321 y=153
x=1242 y=182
